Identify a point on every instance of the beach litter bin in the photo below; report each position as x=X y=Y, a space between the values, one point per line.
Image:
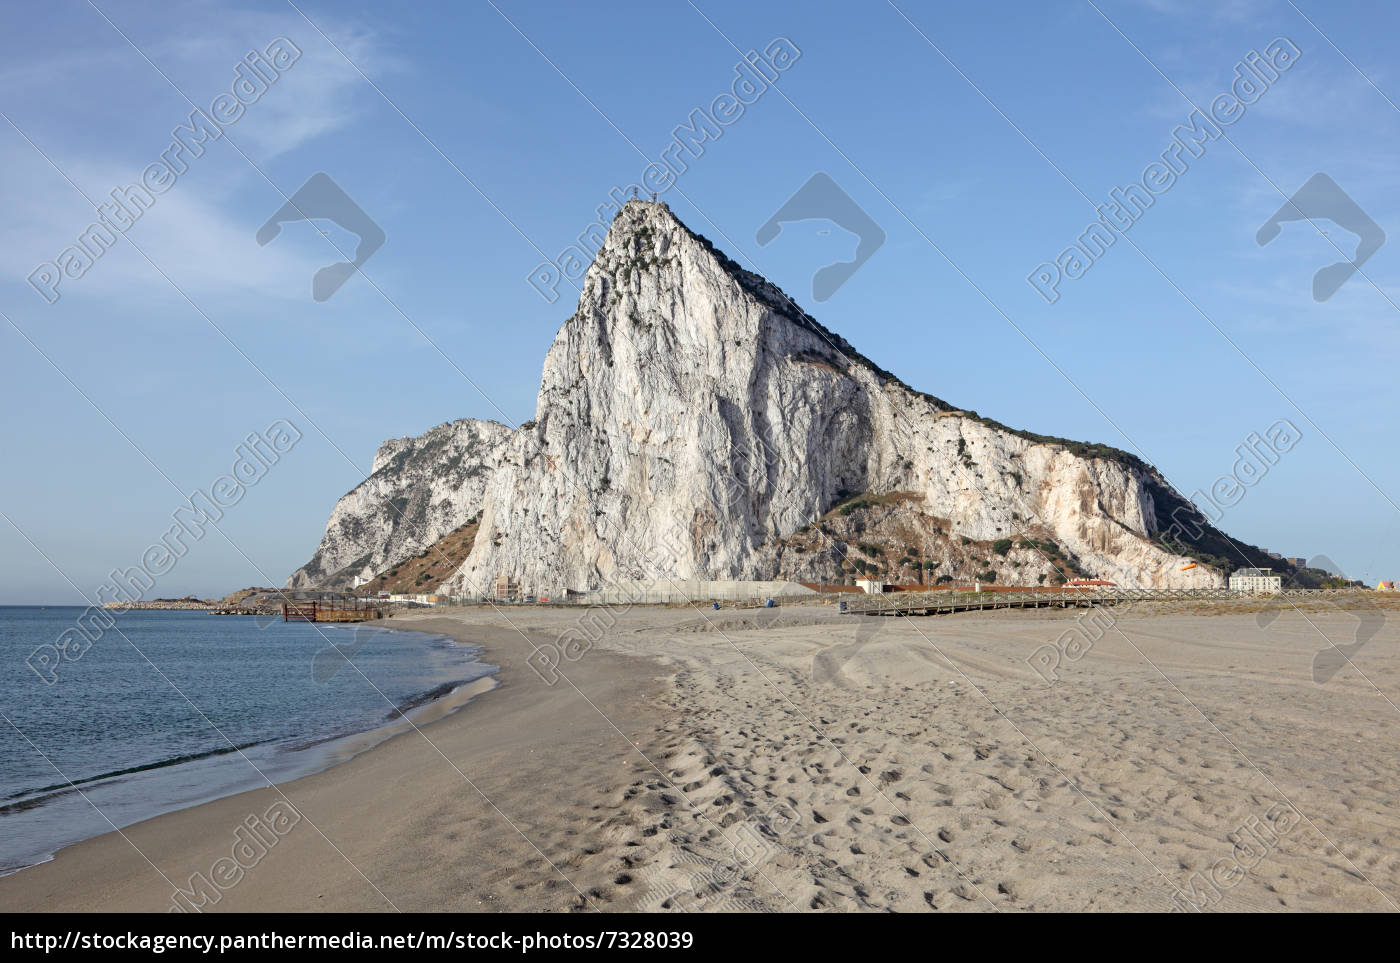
x=716 y=606
x=840 y=606
x=769 y=604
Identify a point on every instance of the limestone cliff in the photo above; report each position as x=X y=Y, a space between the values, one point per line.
x=693 y=421
x=419 y=490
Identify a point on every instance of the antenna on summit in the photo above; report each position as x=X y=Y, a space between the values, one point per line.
x=653 y=197
x=634 y=192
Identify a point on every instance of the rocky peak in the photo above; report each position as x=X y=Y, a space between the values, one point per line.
x=693 y=421
x=419 y=490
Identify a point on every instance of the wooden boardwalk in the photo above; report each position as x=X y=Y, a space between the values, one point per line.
x=315 y=611
x=948 y=601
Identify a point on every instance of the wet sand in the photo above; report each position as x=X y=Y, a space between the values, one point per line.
x=795 y=759
x=451 y=817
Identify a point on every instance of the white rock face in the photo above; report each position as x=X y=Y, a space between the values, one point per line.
x=690 y=416
x=419 y=490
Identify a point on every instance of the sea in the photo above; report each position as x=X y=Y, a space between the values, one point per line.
x=170 y=709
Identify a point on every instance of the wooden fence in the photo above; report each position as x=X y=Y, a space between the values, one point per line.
x=944 y=602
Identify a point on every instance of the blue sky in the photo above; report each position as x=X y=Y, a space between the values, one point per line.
x=479 y=136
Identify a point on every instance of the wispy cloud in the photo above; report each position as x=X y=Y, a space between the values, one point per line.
x=201 y=231
x=196 y=237
x=319 y=95
x=1211 y=11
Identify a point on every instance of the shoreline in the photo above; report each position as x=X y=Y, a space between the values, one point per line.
x=798 y=760
x=297 y=756
x=370 y=856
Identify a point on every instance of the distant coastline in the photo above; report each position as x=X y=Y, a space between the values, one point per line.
x=233 y=603
x=188 y=604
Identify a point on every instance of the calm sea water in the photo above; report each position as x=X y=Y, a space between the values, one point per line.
x=123 y=735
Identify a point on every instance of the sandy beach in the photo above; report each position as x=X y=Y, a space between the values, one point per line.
x=797 y=760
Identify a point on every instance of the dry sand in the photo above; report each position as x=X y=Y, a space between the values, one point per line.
x=795 y=759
